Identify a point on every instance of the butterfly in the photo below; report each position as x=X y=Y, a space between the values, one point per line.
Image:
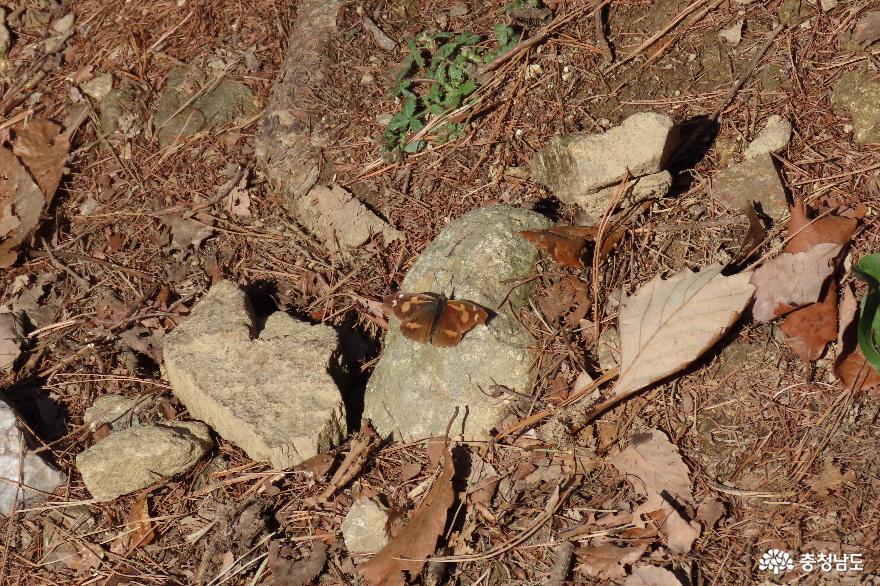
x=431 y=318
x=565 y=244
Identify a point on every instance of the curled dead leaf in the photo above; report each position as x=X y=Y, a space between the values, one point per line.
x=407 y=551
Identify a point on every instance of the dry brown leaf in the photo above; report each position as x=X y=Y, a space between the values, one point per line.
x=808 y=330
x=410 y=471
x=754 y=237
x=138 y=529
x=418 y=539
x=709 y=512
x=792 y=280
x=645 y=575
x=42 y=148
x=186 y=232
x=666 y=325
x=565 y=244
x=287 y=572
x=10 y=341
x=657 y=472
x=607 y=561
x=21 y=203
x=851 y=367
x=806 y=233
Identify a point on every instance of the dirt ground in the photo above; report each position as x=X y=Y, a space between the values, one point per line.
x=790 y=454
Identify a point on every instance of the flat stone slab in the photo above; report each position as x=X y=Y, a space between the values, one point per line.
x=272 y=393
x=135 y=458
x=24 y=475
x=577 y=164
x=753 y=179
x=415 y=388
x=858 y=93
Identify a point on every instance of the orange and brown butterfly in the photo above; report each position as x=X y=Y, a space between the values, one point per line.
x=431 y=318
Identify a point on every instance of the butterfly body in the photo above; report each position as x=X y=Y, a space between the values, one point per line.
x=431 y=318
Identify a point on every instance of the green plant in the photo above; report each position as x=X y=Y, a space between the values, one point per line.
x=868 y=269
x=446 y=63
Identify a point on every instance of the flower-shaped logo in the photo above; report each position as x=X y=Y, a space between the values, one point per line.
x=776 y=561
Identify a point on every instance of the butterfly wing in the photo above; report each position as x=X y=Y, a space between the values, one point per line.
x=457 y=319
x=416 y=312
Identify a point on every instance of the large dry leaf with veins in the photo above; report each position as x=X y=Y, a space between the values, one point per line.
x=42 y=148
x=666 y=325
x=851 y=366
x=606 y=560
x=418 y=539
x=791 y=280
x=21 y=203
x=657 y=472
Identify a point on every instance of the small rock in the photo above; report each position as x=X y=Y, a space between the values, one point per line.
x=857 y=93
x=753 y=179
x=118 y=411
x=64 y=24
x=118 y=110
x=865 y=33
x=98 y=87
x=273 y=394
x=772 y=139
x=338 y=219
x=733 y=34
x=793 y=12
x=365 y=527
x=134 y=458
x=608 y=349
x=459 y=10
x=230 y=101
x=415 y=388
x=578 y=164
x=251 y=61
x=367 y=78
x=827 y=5
x=88 y=206
x=23 y=475
x=59 y=550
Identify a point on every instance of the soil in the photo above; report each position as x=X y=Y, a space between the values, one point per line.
x=757 y=427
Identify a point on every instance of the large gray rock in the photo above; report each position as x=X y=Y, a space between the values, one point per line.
x=135 y=458
x=272 y=394
x=753 y=179
x=23 y=474
x=859 y=94
x=578 y=164
x=415 y=387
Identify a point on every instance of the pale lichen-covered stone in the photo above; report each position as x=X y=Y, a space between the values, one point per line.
x=416 y=388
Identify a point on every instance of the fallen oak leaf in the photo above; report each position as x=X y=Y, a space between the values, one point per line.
x=805 y=233
x=418 y=539
x=138 y=529
x=21 y=203
x=666 y=325
x=850 y=366
x=661 y=476
x=792 y=280
x=43 y=149
x=754 y=238
x=808 y=330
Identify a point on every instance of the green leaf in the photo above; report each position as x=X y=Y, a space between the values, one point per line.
x=409 y=107
x=868 y=329
x=467 y=88
x=398 y=121
x=456 y=74
x=443 y=53
x=503 y=34
x=415 y=146
x=436 y=109
x=468 y=39
x=435 y=94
